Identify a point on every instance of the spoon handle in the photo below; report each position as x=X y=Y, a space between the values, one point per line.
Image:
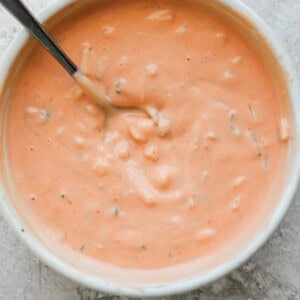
x=23 y=15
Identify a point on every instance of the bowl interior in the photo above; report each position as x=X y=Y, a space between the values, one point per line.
x=170 y=280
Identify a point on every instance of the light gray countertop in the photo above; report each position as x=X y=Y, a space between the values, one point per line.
x=273 y=273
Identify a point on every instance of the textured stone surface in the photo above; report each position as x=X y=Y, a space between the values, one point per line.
x=273 y=273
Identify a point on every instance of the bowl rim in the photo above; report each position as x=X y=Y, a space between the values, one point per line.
x=181 y=285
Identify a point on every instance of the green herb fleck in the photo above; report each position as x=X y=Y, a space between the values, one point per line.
x=118 y=85
x=115 y=211
x=45 y=114
x=48 y=113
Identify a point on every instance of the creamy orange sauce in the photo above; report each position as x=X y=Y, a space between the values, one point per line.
x=155 y=189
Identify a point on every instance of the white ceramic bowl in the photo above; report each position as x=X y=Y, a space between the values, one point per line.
x=256 y=29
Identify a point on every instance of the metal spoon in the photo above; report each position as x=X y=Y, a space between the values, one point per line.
x=35 y=28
